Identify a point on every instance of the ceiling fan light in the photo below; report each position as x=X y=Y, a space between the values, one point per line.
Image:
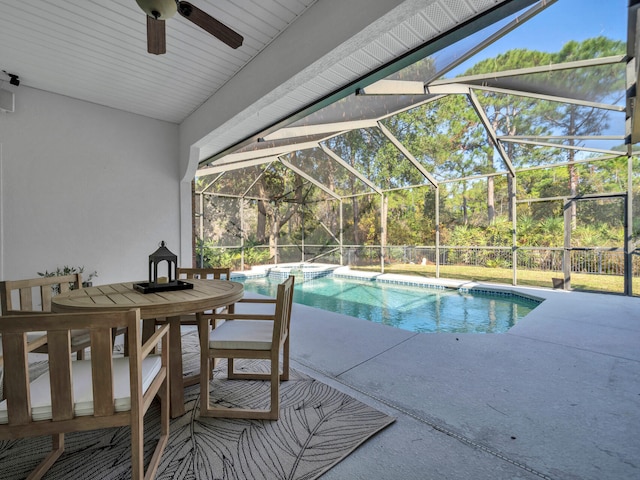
x=158 y=9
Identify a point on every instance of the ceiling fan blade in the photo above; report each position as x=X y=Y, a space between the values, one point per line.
x=210 y=24
x=156 y=38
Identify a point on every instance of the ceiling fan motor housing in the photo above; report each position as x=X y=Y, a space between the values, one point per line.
x=158 y=9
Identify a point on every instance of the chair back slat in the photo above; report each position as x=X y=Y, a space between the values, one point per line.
x=26 y=300
x=102 y=368
x=16 y=378
x=284 y=301
x=136 y=368
x=23 y=292
x=64 y=287
x=46 y=294
x=60 y=376
x=216 y=273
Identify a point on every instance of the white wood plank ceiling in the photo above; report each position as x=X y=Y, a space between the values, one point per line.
x=95 y=50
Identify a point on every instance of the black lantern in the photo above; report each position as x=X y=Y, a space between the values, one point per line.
x=162 y=283
x=162 y=254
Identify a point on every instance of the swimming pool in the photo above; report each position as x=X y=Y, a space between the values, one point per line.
x=417 y=309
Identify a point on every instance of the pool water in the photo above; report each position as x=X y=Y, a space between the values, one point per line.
x=417 y=309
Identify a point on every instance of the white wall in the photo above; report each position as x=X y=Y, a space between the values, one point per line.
x=84 y=185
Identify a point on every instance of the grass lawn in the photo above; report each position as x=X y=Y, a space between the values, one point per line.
x=533 y=278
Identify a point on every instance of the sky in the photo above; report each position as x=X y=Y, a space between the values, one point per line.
x=573 y=20
x=559 y=23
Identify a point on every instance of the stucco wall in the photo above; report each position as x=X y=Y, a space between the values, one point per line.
x=82 y=184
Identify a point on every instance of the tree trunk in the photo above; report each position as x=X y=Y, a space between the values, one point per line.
x=511 y=193
x=573 y=191
x=465 y=218
x=261 y=229
x=384 y=209
x=491 y=200
x=356 y=220
x=510 y=180
x=573 y=171
x=273 y=241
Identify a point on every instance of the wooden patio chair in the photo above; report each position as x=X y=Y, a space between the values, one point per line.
x=79 y=395
x=34 y=295
x=217 y=273
x=248 y=336
x=204 y=273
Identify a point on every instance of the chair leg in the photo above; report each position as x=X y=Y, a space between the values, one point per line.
x=206 y=410
x=213 y=364
x=163 y=394
x=57 y=447
x=285 y=361
x=125 y=348
x=206 y=369
x=275 y=389
x=137 y=446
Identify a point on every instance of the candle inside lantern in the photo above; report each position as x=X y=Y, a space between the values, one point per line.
x=163 y=280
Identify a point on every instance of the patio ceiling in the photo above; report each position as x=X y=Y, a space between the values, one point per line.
x=305 y=143
x=97 y=51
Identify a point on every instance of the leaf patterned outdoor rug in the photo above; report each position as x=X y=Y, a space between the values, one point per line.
x=318 y=427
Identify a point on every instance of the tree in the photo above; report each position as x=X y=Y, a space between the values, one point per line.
x=349 y=147
x=597 y=84
x=285 y=192
x=505 y=111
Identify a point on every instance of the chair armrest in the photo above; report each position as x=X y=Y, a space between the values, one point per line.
x=257 y=300
x=33 y=343
x=37 y=343
x=242 y=316
x=156 y=386
x=26 y=312
x=152 y=342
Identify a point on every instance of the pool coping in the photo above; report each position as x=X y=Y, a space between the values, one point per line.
x=464 y=286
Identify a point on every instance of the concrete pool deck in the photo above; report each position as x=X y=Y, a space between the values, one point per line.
x=556 y=397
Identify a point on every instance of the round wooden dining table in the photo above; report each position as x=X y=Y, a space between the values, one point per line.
x=205 y=295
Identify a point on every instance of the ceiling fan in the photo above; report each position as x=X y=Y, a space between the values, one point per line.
x=159 y=10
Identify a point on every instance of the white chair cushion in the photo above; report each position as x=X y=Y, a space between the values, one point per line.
x=242 y=335
x=83 y=391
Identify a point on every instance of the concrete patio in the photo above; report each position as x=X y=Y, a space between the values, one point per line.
x=557 y=397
